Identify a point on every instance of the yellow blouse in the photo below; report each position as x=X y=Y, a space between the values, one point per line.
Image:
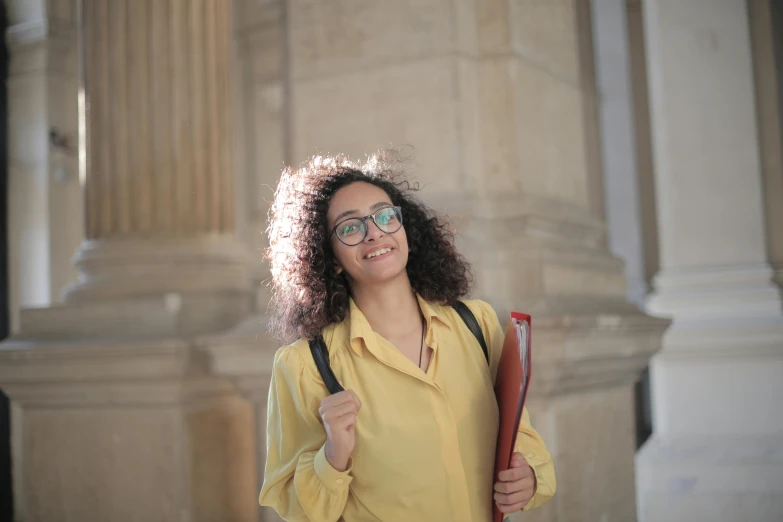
x=425 y=442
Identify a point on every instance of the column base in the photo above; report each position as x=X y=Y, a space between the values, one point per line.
x=711 y=479
x=112 y=269
x=127 y=430
x=710 y=294
x=245 y=355
x=171 y=287
x=717 y=451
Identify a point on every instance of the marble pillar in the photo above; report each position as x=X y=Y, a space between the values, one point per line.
x=716 y=384
x=117 y=412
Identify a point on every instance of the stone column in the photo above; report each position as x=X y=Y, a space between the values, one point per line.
x=715 y=452
x=621 y=179
x=262 y=57
x=117 y=414
x=45 y=196
x=766 y=17
x=159 y=161
x=245 y=355
x=498 y=100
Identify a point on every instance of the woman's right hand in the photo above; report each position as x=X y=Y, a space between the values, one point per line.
x=338 y=413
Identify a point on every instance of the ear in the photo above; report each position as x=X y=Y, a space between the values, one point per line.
x=338 y=268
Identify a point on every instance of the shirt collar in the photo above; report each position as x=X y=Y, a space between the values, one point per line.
x=432 y=311
x=360 y=331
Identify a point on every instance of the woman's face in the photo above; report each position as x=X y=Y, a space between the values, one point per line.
x=381 y=256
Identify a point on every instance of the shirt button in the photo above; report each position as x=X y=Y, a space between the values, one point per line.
x=339 y=481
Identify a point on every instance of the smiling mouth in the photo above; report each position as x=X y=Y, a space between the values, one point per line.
x=378 y=253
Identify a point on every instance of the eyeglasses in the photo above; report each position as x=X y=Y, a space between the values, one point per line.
x=353 y=231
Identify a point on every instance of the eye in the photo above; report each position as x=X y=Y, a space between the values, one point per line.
x=350 y=228
x=386 y=216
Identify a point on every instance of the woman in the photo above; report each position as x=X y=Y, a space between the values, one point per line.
x=356 y=259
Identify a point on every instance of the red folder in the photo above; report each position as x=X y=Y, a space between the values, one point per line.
x=511 y=386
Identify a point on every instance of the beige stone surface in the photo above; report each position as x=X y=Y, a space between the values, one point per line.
x=128 y=430
x=263 y=105
x=493 y=98
x=113 y=459
x=695 y=223
x=348 y=36
x=158 y=162
x=596 y=439
x=131 y=268
x=582 y=405
x=117 y=415
x=246 y=357
x=540 y=149
x=139 y=463
x=503 y=121
x=160 y=198
x=411 y=103
x=221 y=448
x=43 y=181
x=541 y=33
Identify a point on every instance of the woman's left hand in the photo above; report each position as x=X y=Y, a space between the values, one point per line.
x=516 y=486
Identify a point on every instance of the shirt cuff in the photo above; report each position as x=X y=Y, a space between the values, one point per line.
x=333 y=480
x=535 y=461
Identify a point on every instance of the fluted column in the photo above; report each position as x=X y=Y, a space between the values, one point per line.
x=117 y=414
x=158 y=149
x=158 y=117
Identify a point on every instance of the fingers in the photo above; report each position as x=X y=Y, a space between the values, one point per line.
x=356 y=399
x=336 y=399
x=344 y=423
x=515 y=486
x=339 y=398
x=513 y=496
x=508 y=488
x=514 y=474
x=512 y=508
x=338 y=411
x=351 y=392
x=517 y=460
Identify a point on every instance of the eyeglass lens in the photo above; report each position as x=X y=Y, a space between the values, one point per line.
x=353 y=231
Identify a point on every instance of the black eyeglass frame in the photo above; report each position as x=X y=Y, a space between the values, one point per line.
x=366 y=226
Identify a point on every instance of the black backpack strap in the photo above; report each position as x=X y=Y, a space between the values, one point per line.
x=472 y=324
x=321 y=354
x=321 y=358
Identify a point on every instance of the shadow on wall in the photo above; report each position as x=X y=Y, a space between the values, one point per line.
x=6 y=498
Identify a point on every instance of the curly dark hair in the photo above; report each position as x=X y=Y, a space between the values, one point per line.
x=308 y=293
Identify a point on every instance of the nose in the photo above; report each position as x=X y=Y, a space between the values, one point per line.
x=373 y=231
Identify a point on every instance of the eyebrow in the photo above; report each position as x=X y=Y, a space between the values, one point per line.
x=375 y=207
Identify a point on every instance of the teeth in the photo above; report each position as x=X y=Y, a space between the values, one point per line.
x=378 y=253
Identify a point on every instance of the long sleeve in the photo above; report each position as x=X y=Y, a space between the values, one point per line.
x=299 y=483
x=528 y=442
x=532 y=447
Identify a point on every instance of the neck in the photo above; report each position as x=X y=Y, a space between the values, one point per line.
x=391 y=308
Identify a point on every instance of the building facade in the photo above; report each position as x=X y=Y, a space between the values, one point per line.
x=613 y=167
